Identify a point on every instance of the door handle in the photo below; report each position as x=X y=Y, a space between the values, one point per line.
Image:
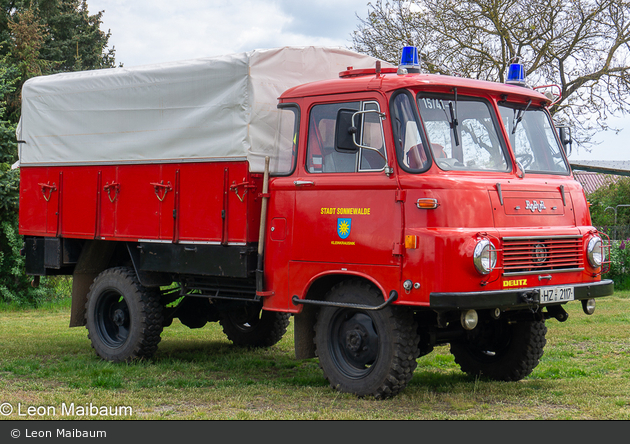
x=303 y=183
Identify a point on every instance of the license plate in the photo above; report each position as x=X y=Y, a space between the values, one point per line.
x=549 y=295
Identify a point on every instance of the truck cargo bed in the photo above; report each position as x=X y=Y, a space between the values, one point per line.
x=215 y=203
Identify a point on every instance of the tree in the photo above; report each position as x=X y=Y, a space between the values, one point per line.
x=37 y=37
x=27 y=36
x=610 y=204
x=75 y=39
x=610 y=213
x=14 y=285
x=50 y=36
x=579 y=45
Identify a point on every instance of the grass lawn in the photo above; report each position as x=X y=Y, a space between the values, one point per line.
x=198 y=374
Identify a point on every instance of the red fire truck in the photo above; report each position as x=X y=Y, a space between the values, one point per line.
x=386 y=210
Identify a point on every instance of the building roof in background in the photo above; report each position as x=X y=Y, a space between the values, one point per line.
x=615 y=167
x=592 y=181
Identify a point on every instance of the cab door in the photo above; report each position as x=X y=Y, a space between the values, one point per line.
x=346 y=209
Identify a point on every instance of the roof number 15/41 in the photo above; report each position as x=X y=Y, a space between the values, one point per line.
x=432 y=103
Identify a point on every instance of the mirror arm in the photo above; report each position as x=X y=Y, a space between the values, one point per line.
x=354 y=133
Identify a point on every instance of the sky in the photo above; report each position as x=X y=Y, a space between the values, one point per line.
x=154 y=31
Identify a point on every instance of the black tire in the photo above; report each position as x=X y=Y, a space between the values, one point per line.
x=367 y=353
x=501 y=351
x=251 y=326
x=123 y=318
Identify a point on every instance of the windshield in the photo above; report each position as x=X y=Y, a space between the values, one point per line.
x=462 y=133
x=533 y=139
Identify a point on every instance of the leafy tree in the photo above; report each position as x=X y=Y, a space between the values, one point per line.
x=610 y=213
x=8 y=146
x=27 y=36
x=36 y=38
x=75 y=39
x=579 y=45
x=13 y=283
x=608 y=203
x=49 y=36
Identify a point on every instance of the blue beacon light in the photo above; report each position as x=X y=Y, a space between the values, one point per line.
x=516 y=74
x=409 y=60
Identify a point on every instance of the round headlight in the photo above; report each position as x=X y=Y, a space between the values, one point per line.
x=485 y=256
x=595 y=252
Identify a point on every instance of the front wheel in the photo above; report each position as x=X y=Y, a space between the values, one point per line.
x=123 y=318
x=500 y=350
x=368 y=353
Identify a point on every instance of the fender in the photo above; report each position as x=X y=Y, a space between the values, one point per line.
x=314 y=290
x=337 y=276
x=94 y=258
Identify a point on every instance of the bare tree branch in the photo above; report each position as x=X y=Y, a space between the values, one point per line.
x=583 y=46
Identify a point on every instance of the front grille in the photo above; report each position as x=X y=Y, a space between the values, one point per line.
x=522 y=255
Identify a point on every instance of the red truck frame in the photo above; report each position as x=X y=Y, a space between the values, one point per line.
x=414 y=211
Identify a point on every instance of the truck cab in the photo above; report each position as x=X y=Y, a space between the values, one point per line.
x=450 y=197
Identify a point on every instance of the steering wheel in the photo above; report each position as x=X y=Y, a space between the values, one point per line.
x=450 y=163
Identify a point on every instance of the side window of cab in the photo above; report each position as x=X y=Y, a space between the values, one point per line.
x=345 y=137
x=410 y=148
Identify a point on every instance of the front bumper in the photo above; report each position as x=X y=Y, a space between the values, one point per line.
x=511 y=299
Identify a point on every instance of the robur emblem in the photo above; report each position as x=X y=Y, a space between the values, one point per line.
x=534 y=205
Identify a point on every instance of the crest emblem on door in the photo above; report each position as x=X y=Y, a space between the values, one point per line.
x=343 y=227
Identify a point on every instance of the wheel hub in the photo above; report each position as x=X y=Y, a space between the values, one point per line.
x=355 y=339
x=358 y=340
x=119 y=317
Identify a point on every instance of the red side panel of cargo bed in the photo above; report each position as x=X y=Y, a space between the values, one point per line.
x=212 y=202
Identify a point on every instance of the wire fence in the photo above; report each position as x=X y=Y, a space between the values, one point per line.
x=616 y=232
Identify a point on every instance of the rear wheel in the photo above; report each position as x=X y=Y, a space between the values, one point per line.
x=251 y=326
x=501 y=351
x=123 y=318
x=368 y=353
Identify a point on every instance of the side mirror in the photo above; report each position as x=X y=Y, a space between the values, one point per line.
x=346 y=133
x=564 y=132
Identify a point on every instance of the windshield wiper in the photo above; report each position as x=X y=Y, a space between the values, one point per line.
x=519 y=116
x=453 y=118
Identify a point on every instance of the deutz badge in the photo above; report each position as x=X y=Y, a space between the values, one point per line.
x=343 y=227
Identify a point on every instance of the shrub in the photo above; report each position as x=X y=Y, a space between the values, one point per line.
x=15 y=285
x=619 y=264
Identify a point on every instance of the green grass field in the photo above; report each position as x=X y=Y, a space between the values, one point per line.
x=198 y=374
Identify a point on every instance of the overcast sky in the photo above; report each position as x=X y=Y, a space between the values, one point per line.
x=154 y=31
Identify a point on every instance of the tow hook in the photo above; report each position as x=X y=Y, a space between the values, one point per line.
x=558 y=312
x=530 y=297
